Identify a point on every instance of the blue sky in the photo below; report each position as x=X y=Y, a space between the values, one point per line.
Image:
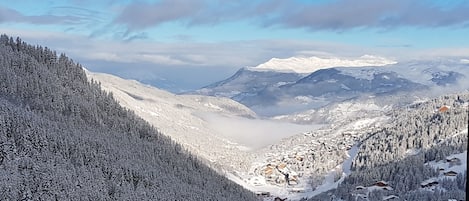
x=190 y=43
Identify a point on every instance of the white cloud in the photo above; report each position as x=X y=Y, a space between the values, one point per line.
x=114 y=56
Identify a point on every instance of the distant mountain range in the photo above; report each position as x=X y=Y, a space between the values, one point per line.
x=271 y=90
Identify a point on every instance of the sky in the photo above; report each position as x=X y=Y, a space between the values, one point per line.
x=186 y=44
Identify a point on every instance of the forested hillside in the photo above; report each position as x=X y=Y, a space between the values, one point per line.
x=395 y=160
x=63 y=138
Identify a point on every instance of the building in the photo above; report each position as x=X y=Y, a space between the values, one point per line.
x=381 y=184
x=451 y=173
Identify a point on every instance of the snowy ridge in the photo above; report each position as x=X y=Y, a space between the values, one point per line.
x=270 y=90
x=311 y=64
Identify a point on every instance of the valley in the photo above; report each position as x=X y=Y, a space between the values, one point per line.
x=215 y=100
x=295 y=154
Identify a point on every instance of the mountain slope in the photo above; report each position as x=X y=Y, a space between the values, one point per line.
x=182 y=117
x=63 y=138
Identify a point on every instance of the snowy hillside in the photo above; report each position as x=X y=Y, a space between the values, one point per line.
x=178 y=116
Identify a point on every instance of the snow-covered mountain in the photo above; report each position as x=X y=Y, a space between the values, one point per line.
x=271 y=91
x=247 y=82
x=311 y=64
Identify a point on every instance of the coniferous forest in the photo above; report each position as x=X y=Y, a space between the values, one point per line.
x=63 y=138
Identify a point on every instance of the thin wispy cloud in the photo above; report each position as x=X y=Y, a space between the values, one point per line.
x=11 y=15
x=140 y=15
x=129 y=20
x=340 y=15
x=336 y=15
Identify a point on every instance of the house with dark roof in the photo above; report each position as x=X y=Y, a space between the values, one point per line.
x=381 y=184
x=451 y=173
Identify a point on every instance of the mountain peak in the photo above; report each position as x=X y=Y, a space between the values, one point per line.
x=311 y=64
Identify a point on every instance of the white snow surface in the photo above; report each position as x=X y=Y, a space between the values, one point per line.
x=311 y=64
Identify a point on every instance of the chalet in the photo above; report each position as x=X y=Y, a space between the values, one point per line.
x=281 y=166
x=293 y=178
x=308 y=134
x=381 y=184
x=299 y=158
x=297 y=190
x=263 y=194
x=346 y=134
x=360 y=187
x=453 y=161
x=293 y=181
x=428 y=183
x=451 y=173
x=443 y=108
x=268 y=170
